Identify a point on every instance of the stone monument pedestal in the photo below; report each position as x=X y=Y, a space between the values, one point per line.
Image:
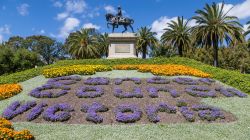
x=122 y=45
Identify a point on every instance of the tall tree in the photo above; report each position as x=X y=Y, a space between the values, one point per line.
x=15 y=42
x=103 y=44
x=146 y=38
x=177 y=35
x=82 y=44
x=215 y=27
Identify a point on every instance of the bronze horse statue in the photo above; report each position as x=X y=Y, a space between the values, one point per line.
x=116 y=22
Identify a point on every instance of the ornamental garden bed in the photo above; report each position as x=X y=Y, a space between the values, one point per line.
x=72 y=100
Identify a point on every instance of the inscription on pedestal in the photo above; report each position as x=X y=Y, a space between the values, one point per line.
x=122 y=48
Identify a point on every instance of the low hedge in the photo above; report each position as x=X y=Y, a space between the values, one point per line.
x=232 y=78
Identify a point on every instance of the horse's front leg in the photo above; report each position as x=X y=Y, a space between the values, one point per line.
x=113 y=28
x=125 y=27
x=131 y=28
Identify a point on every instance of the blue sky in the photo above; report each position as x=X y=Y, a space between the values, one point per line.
x=57 y=18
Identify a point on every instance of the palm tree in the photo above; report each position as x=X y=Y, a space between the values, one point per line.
x=246 y=33
x=178 y=35
x=103 y=43
x=145 y=38
x=215 y=27
x=82 y=44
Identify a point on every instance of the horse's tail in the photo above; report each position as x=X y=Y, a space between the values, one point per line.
x=132 y=21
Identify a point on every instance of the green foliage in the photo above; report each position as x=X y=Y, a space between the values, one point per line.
x=232 y=78
x=177 y=35
x=215 y=27
x=146 y=38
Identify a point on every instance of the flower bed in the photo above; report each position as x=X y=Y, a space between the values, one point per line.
x=58 y=112
x=7 y=132
x=185 y=81
x=127 y=113
x=230 y=92
x=188 y=114
x=208 y=113
x=135 y=94
x=92 y=110
x=119 y=81
x=207 y=81
x=17 y=108
x=89 y=92
x=200 y=91
x=158 y=80
x=36 y=111
x=40 y=93
x=153 y=91
x=69 y=80
x=75 y=69
x=97 y=81
x=152 y=111
x=167 y=70
x=9 y=90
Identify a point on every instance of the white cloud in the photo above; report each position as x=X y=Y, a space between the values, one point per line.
x=23 y=9
x=245 y=27
x=69 y=25
x=91 y=25
x=4 y=30
x=240 y=10
x=109 y=9
x=75 y=6
x=61 y=16
x=58 y=4
x=160 y=24
x=42 y=31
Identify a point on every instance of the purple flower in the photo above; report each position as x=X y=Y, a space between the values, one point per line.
x=17 y=108
x=207 y=81
x=119 y=81
x=153 y=91
x=158 y=80
x=200 y=91
x=185 y=81
x=189 y=115
x=135 y=94
x=58 y=112
x=127 y=113
x=92 y=112
x=97 y=81
x=89 y=92
x=36 y=111
x=209 y=113
x=40 y=93
x=230 y=92
x=64 y=80
x=152 y=111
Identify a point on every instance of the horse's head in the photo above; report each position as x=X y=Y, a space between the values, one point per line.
x=109 y=16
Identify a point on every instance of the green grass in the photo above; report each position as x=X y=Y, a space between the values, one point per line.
x=232 y=78
x=189 y=131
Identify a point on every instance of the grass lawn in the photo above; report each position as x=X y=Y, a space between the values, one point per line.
x=236 y=130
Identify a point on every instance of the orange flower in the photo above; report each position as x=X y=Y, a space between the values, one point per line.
x=9 y=90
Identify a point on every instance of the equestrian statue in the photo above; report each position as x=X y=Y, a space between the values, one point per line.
x=118 y=20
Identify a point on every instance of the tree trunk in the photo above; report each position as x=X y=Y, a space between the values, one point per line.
x=144 y=52
x=216 y=54
x=180 y=51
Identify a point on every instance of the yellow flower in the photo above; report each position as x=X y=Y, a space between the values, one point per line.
x=9 y=90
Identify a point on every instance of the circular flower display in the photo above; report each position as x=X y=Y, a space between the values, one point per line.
x=158 y=80
x=65 y=80
x=127 y=113
x=92 y=110
x=153 y=91
x=185 y=81
x=119 y=81
x=58 y=112
x=97 y=81
x=40 y=93
x=89 y=92
x=135 y=94
x=200 y=91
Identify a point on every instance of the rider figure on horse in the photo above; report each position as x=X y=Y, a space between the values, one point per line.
x=119 y=15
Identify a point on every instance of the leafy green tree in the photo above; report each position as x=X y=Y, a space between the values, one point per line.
x=103 y=44
x=146 y=38
x=82 y=44
x=215 y=27
x=162 y=50
x=15 y=42
x=6 y=62
x=177 y=35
